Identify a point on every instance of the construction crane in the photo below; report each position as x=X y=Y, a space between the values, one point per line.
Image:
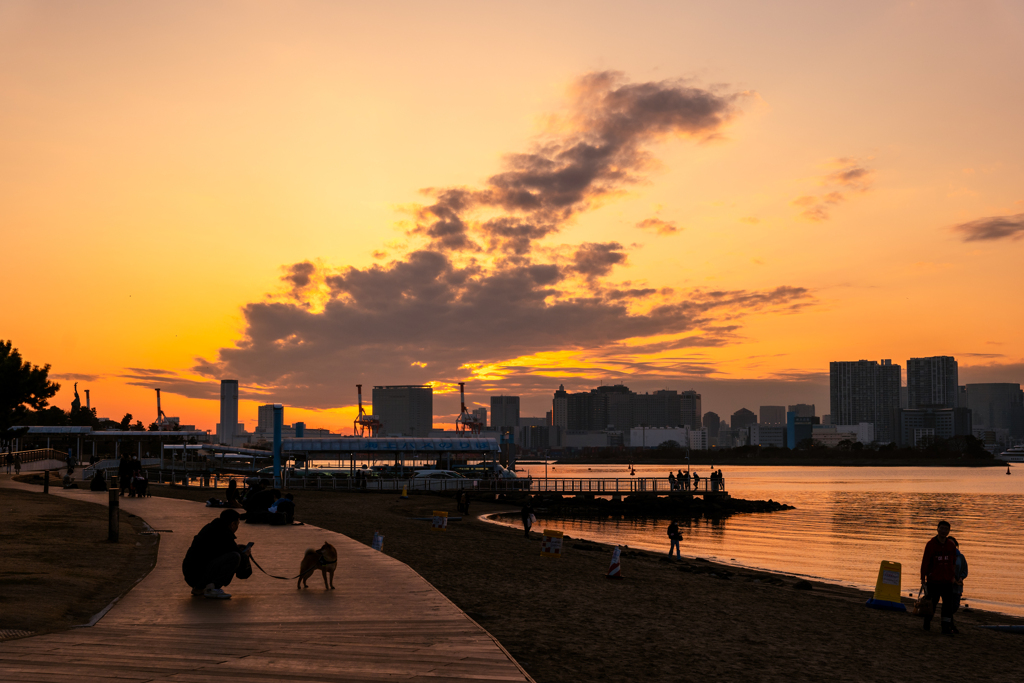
x=363 y=421
x=466 y=421
x=161 y=419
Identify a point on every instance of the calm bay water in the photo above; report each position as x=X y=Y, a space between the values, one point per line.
x=847 y=520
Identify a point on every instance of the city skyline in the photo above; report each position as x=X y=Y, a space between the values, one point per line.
x=258 y=201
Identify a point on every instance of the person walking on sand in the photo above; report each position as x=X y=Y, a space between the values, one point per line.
x=528 y=518
x=674 y=537
x=958 y=583
x=938 y=573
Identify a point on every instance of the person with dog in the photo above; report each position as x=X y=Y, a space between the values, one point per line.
x=938 y=574
x=214 y=558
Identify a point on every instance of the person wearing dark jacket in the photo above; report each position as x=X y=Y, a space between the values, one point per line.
x=938 y=573
x=528 y=517
x=124 y=475
x=214 y=557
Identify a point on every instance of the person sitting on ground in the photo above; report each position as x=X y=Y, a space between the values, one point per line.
x=69 y=483
x=99 y=482
x=214 y=558
x=283 y=505
x=232 y=494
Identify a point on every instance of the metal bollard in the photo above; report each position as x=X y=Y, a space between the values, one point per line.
x=46 y=481
x=113 y=512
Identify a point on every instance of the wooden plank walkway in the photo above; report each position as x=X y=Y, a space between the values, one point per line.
x=382 y=622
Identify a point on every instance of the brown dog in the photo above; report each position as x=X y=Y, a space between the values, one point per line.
x=325 y=559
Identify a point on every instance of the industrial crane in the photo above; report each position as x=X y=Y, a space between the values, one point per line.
x=364 y=422
x=161 y=419
x=466 y=421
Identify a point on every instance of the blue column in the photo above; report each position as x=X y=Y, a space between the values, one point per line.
x=278 y=422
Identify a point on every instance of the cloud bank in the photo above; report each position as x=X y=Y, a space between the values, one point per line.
x=992 y=228
x=850 y=175
x=485 y=283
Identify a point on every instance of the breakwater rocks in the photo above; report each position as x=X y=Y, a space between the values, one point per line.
x=662 y=507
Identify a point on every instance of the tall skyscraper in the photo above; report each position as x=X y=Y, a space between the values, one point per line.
x=406 y=410
x=228 y=410
x=743 y=418
x=865 y=391
x=689 y=409
x=932 y=382
x=712 y=422
x=803 y=410
x=504 y=412
x=997 y=406
x=772 y=415
x=560 y=408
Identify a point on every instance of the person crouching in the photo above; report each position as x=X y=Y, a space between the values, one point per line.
x=214 y=558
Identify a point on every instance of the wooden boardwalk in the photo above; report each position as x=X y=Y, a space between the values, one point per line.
x=383 y=621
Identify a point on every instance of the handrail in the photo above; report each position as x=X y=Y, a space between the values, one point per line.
x=37 y=454
x=574 y=485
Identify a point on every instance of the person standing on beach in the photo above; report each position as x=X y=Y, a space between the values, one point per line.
x=674 y=537
x=528 y=517
x=938 y=573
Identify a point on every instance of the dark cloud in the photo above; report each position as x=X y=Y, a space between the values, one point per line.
x=75 y=376
x=851 y=176
x=600 y=149
x=594 y=260
x=174 y=383
x=659 y=226
x=479 y=291
x=991 y=372
x=992 y=228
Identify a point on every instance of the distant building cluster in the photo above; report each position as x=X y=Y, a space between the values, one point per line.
x=868 y=404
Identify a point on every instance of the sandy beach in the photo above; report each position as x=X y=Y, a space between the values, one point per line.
x=563 y=620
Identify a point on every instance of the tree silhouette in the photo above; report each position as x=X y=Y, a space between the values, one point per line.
x=23 y=386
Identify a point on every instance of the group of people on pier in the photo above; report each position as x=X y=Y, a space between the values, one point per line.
x=680 y=481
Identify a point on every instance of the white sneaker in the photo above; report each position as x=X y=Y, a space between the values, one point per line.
x=216 y=593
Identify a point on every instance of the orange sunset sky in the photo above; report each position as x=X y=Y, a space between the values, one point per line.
x=306 y=195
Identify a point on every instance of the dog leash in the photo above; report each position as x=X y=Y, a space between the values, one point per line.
x=283 y=578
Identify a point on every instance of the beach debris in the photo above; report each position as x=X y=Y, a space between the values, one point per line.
x=405 y=492
x=551 y=543
x=888 y=588
x=614 y=570
x=802 y=585
x=378 y=541
x=440 y=522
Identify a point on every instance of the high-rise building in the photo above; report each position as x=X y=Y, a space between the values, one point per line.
x=997 y=406
x=865 y=391
x=772 y=415
x=802 y=410
x=712 y=423
x=228 y=411
x=404 y=410
x=743 y=418
x=504 y=412
x=480 y=416
x=560 y=408
x=689 y=409
x=660 y=409
x=921 y=426
x=932 y=382
x=265 y=418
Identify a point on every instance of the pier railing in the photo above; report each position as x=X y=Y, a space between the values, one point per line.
x=564 y=486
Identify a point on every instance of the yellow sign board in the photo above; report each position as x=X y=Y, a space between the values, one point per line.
x=551 y=544
x=440 y=520
x=888 y=587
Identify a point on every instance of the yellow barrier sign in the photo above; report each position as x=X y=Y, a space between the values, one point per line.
x=888 y=587
x=551 y=544
x=440 y=520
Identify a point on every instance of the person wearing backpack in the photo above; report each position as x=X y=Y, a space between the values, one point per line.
x=675 y=537
x=958 y=582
